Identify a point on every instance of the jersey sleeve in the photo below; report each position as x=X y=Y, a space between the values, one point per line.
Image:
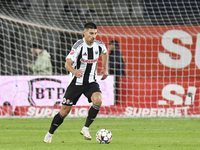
x=104 y=49
x=74 y=52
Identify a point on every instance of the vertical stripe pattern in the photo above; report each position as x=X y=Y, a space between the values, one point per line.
x=89 y=66
x=85 y=58
x=78 y=65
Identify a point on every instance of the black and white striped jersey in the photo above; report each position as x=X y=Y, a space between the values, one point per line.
x=85 y=57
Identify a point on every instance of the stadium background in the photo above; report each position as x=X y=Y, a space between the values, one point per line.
x=138 y=25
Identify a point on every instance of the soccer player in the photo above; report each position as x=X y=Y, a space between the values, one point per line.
x=81 y=62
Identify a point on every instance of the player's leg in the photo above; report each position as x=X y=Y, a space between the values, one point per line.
x=70 y=98
x=57 y=121
x=92 y=113
x=94 y=109
x=94 y=95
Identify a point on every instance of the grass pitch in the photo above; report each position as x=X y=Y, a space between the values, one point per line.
x=128 y=134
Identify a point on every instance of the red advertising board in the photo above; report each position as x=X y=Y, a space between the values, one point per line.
x=6 y=111
x=157 y=51
x=162 y=66
x=166 y=93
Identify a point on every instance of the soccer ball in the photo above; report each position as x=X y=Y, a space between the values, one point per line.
x=104 y=136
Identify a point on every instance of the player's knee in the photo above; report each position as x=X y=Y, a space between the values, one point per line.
x=97 y=99
x=98 y=102
x=65 y=110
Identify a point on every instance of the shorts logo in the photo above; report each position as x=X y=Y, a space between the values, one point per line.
x=67 y=102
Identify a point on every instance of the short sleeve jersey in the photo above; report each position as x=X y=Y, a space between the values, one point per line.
x=85 y=57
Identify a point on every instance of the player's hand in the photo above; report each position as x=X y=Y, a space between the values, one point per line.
x=104 y=72
x=78 y=73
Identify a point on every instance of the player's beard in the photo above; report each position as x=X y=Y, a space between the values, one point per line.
x=92 y=40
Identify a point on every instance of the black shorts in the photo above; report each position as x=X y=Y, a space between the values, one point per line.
x=73 y=92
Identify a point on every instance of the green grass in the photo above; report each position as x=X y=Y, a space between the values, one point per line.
x=128 y=134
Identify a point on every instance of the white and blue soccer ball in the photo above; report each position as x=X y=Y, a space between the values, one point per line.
x=104 y=136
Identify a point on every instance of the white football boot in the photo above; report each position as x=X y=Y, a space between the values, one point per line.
x=86 y=133
x=48 y=137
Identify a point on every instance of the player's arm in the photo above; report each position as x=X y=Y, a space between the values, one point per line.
x=104 y=71
x=68 y=65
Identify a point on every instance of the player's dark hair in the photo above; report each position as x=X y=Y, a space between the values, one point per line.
x=90 y=25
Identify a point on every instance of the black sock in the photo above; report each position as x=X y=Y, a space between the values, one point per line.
x=93 y=111
x=56 y=122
